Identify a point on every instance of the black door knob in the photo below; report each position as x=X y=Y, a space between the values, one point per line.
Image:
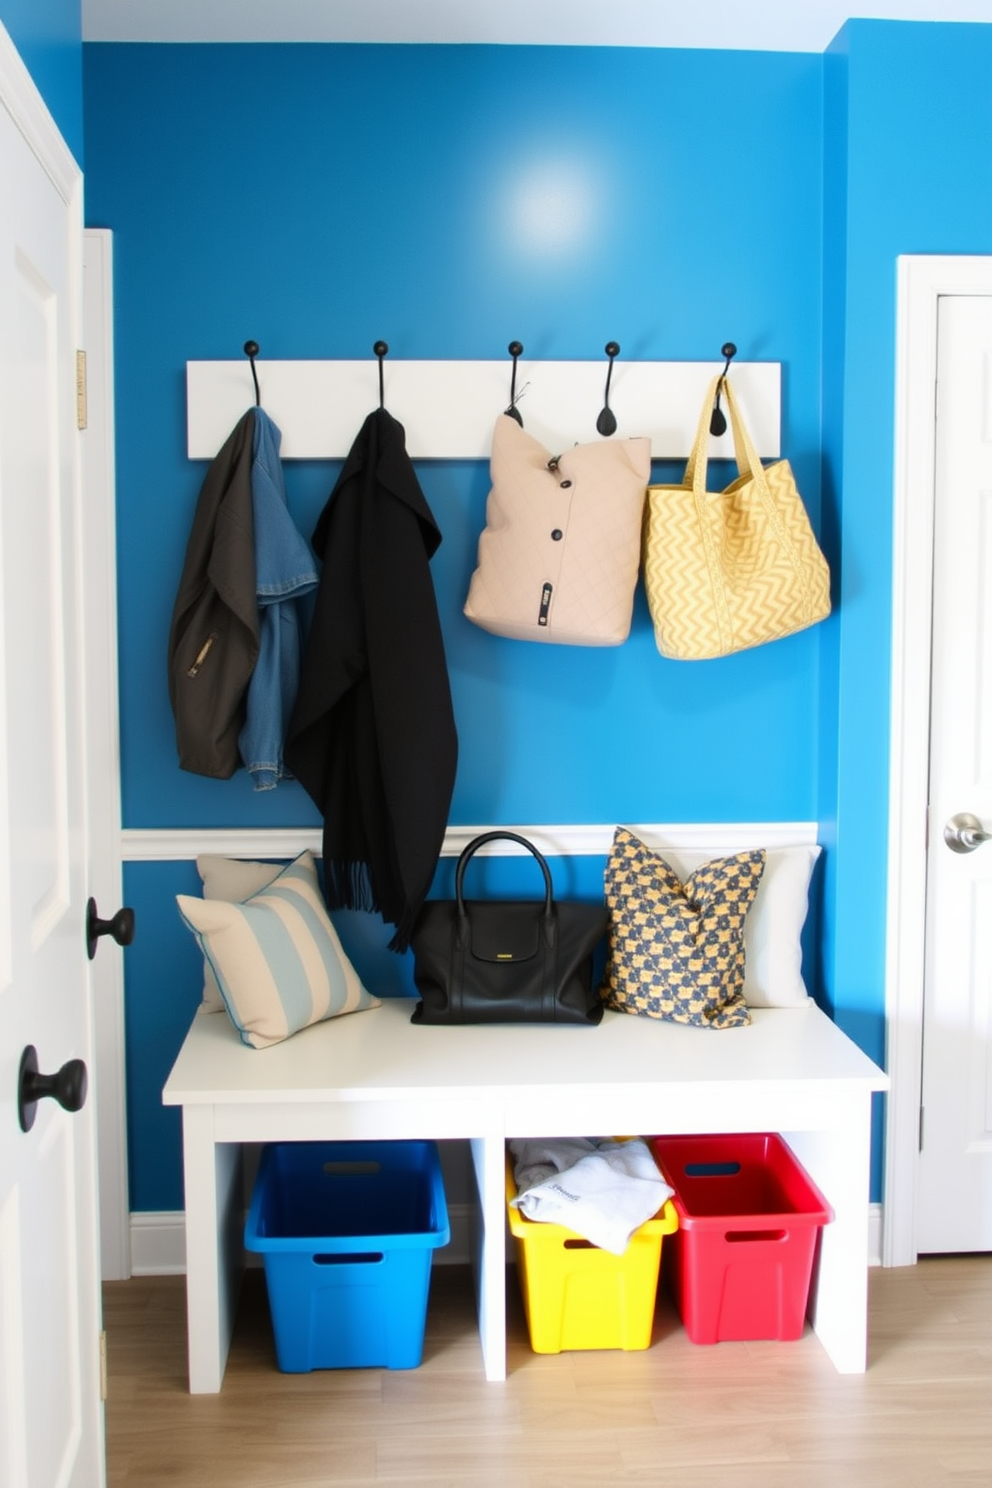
x=120 y=928
x=68 y=1086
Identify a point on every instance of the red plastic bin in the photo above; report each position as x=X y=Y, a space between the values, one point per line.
x=740 y=1263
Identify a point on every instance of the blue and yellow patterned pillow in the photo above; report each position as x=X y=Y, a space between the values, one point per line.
x=676 y=950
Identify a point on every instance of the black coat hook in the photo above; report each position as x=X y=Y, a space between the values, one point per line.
x=718 y=419
x=251 y=352
x=381 y=350
x=606 y=423
x=515 y=349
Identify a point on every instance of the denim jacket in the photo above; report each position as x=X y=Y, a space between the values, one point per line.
x=285 y=570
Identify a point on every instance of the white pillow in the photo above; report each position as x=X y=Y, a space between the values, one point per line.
x=277 y=958
x=773 y=956
x=235 y=880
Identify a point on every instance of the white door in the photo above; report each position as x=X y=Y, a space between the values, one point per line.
x=51 y=1424
x=954 y=1210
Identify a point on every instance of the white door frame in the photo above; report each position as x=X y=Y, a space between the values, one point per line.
x=921 y=281
x=103 y=747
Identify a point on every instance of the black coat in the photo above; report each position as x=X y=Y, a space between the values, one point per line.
x=372 y=737
x=213 y=640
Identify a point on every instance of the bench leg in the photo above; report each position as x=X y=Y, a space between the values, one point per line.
x=838 y=1162
x=214 y=1247
x=490 y=1253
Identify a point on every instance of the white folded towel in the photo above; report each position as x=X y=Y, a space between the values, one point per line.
x=600 y=1189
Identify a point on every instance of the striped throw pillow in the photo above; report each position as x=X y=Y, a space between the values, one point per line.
x=676 y=950
x=277 y=958
x=235 y=880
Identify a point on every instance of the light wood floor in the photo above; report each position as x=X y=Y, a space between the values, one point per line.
x=744 y=1415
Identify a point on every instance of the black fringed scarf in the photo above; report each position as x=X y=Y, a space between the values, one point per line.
x=372 y=736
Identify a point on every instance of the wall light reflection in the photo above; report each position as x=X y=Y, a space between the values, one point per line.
x=553 y=207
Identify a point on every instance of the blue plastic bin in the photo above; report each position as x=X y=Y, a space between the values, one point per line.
x=346 y=1231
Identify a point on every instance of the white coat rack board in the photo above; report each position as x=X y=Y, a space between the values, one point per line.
x=448 y=408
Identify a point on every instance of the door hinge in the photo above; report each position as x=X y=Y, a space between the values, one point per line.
x=921 y=1128
x=80 y=390
x=103 y=1365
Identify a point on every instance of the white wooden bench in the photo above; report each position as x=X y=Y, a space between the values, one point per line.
x=374 y=1076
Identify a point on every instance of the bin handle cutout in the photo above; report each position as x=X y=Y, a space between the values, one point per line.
x=349 y=1258
x=735 y=1236
x=359 y=1165
x=712 y=1169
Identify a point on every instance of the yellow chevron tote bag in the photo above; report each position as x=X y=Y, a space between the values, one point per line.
x=727 y=570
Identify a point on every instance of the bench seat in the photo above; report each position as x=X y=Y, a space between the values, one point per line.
x=374 y=1076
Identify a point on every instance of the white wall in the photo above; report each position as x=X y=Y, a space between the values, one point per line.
x=762 y=25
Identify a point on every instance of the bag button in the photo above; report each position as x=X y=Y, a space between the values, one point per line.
x=565 y=483
x=557 y=535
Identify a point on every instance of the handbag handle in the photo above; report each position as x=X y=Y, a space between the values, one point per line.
x=749 y=466
x=745 y=454
x=748 y=459
x=473 y=847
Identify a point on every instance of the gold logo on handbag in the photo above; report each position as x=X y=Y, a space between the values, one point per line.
x=728 y=570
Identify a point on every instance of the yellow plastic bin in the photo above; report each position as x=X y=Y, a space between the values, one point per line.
x=577 y=1296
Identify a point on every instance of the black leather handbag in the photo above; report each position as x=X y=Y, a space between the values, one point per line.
x=506 y=960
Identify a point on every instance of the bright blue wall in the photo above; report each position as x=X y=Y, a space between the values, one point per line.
x=48 y=36
x=909 y=131
x=316 y=198
x=337 y=221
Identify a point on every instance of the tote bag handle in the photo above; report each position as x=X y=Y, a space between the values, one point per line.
x=745 y=454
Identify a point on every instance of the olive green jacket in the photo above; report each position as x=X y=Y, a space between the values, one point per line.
x=213 y=641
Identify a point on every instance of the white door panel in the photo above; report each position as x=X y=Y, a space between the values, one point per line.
x=34 y=604
x=51 y=1431
x=955 y=1197
x=52 y=1405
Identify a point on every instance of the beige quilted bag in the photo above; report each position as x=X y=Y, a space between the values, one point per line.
x=559 y=556
x=727 y=570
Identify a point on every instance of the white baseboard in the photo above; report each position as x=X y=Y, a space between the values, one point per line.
x=158 y=1241
x=874 y=1234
